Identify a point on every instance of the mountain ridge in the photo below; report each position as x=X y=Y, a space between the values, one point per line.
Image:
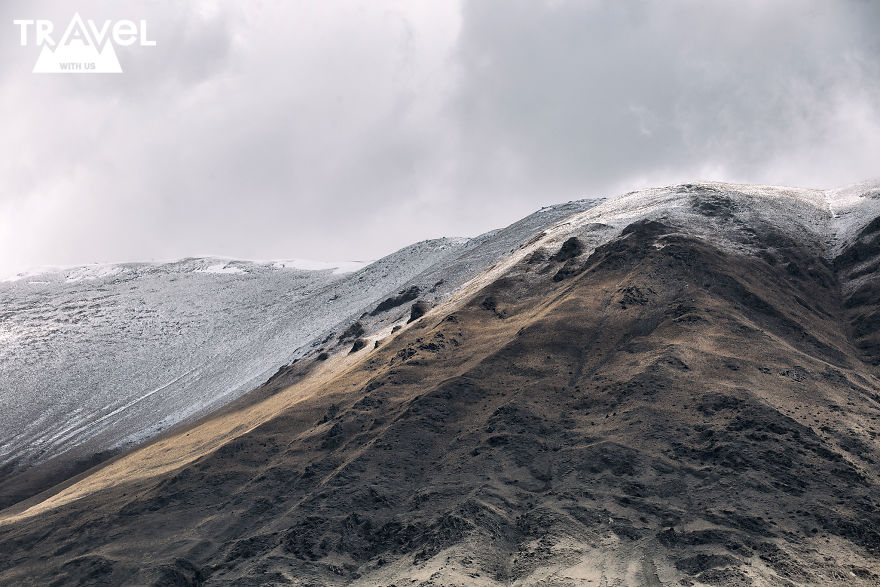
x=188 y=336
x=685 y=393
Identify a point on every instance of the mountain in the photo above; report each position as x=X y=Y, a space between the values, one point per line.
x=672 y=386
x=97 y=359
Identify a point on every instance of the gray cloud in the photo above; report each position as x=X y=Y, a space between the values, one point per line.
x=348 y=129
x=600 y=94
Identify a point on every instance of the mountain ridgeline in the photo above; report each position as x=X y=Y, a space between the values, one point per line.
x=677 y=386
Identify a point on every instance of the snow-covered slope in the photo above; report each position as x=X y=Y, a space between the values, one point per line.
x=94 y=357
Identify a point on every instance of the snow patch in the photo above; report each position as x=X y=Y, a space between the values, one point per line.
x=338 y=267
x=32 y=272
x=221 y=268
x=93 y=272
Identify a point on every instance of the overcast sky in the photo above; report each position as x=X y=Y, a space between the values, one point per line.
x=333 y=130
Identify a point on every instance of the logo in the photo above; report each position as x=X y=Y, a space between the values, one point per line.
x=84 y=47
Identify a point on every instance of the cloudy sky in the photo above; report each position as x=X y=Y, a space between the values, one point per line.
x=334 y=129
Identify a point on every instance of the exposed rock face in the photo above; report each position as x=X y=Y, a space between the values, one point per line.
x=401 y=298
x=570 y=249
x=353 y=331
x=696 y=402
x=418 y=310
x=858 y=265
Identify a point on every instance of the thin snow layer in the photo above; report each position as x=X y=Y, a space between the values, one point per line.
x=720 y=212
x=852 y=209
x=49 y=273
x=221 y=268
x=338 y=268
x=96 y=357
x=476 y=256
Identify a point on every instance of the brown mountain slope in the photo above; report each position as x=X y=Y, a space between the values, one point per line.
x=656 y=411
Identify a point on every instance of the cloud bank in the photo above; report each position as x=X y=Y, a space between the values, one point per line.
x=345 y=129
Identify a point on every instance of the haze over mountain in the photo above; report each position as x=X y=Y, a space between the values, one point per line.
x=672 y=386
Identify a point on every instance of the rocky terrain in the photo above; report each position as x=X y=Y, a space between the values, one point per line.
x=679 y=386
